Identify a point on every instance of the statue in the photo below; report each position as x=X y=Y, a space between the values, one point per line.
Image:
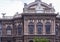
x=38 y=0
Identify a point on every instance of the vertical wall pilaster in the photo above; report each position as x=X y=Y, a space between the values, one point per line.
x=35 y=29
x=43 y=27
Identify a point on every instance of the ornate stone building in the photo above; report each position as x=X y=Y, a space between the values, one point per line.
x=37 y=20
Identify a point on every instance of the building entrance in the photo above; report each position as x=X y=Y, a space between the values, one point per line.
x=31 y=41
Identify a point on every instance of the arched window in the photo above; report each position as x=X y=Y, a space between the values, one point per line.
x=31 y=41
x=48 y=27
x=8 y=41
x=56 y=29
x=31 y=27
x=39 y=27
x=9 y=30
x=19 y=29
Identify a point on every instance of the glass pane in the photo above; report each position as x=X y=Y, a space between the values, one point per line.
x=31 y=27
x=48 y=26
x=8 y=41
x=48 y=29
x=8 y=32
x=19 y=30
x=56 y=30
x=39 y=27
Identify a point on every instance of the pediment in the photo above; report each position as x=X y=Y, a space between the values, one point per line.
x=34 y=4
x=38 y=6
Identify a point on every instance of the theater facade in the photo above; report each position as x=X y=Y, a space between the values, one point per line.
x=37 y=20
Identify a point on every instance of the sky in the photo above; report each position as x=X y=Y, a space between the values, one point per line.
x=10 y=7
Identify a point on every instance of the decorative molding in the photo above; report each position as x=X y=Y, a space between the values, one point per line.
x=30 y=20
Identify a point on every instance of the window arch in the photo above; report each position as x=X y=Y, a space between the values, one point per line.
x=39 y=27
x=31 y=27
x=48 y=27
x=9 y=30
x=56 y=29
x=19 y=29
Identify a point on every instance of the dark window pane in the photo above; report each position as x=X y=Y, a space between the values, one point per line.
x=56 y=30
x=31 y=41
x=48 y=26
x=8 y=30
x=31 y=27
x=19 y=29
x=39 y=27
x=8 y=41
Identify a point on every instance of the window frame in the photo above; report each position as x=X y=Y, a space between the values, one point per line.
x=56 y=29
x=39 y=26
x=31 y=28
x=9 y=29
x=19 y=29
x=48 y=27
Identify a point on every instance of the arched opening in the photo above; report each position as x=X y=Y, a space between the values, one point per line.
x=8 y=41
x=9 y=30
x=56 y=29
x=39 y=27
x=31 y=41
x=19 y=29
x=48 y=27
x=31 y=27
